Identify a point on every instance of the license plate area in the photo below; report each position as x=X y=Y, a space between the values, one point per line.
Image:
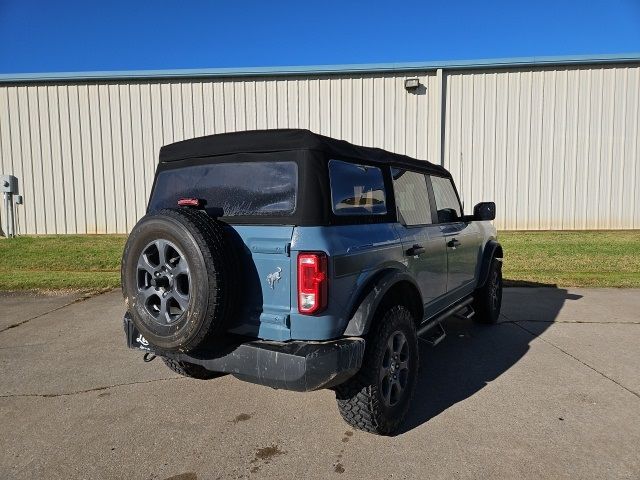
x=135 y=339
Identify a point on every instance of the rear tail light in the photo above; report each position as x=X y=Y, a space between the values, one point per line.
x=189 y=202
x=312 y=282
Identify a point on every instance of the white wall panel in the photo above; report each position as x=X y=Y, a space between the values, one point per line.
x=556 y=148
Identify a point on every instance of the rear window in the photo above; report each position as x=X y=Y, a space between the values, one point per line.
x=356 y=189
x=239 y=189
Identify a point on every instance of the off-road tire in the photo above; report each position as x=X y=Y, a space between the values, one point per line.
x=359 y=399
x=212 y=264
x=487 y=300
x=190 y=370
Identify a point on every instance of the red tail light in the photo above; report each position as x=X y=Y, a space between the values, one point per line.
x=312 y=282
x=189 y=202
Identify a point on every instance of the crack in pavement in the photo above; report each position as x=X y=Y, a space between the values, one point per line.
x=89 y=390
x=516 y=323
x=73 y=302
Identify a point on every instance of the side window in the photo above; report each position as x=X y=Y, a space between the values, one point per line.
x=356 y=189
x=412 y=197
x=447 y=203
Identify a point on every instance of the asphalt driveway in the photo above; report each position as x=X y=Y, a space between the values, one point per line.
x=553 y=391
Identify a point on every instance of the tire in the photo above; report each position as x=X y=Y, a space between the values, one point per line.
x=181 y=298
x=190 y=370
x=364 y=401
x=488 y=298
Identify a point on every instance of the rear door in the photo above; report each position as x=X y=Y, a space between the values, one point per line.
x=248 y=191
x=422 y=241
x=264 y=297
x=463 y=239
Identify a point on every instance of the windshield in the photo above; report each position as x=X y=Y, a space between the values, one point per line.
x=239 y=189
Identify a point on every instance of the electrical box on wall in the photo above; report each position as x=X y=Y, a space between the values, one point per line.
x=8 y=184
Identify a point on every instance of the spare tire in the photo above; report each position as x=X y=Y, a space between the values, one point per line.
x=178 y=278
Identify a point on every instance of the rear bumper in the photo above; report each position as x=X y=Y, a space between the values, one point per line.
x=300 y=366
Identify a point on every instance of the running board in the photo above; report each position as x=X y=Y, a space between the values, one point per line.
x=437 y=335
x=434 y=335
x=466 y=314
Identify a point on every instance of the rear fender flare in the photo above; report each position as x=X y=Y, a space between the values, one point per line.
x=373 y=293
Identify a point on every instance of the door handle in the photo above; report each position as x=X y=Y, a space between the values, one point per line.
x=453 y=243
x=415 y=250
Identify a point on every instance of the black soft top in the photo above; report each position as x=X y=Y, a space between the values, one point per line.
x=281 y=140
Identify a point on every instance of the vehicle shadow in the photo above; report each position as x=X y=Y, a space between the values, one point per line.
x=473 y=354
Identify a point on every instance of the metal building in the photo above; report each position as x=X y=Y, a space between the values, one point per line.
x=554 y=141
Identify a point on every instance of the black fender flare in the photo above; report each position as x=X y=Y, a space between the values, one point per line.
x=491 y=249
x=371 y=296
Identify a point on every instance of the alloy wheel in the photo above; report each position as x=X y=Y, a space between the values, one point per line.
x=164 y=281
x=394 y=371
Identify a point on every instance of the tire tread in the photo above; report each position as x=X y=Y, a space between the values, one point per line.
x=219 y=257
x=190 y=370
x=357 y=398
x=482 y=301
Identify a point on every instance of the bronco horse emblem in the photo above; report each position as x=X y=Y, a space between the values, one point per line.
x=274 y=277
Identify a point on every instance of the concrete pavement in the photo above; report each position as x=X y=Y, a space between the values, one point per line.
x=19 y=307
x=553 y=391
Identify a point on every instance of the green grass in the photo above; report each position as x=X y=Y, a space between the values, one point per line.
x=92 y=262
x=572 y=259
x=61 y=262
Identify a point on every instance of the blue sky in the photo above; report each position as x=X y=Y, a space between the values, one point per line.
x=50 y=36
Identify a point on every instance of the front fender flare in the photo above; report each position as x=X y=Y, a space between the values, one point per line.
x=492 y=249
x=362 y=317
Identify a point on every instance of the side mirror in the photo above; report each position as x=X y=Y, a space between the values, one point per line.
x=447 y=215
x=484 y=211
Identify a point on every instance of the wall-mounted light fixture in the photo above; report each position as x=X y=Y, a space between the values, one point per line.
x=411 y=84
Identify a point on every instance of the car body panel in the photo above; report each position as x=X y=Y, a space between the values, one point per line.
x=265 y=291
x=356 y=254
x=429 y=268
x=464 y=246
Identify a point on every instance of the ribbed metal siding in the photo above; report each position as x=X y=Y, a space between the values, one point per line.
x=85 y=154
x=556 y=148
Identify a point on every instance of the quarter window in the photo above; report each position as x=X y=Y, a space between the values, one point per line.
x=412 y=197
x=447 y=203
x=356 y=189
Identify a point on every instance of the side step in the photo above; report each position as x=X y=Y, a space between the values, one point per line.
x=434 y=336
x=467 y=313
x=432 y=332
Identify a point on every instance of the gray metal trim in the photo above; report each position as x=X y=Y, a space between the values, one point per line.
x=319 y=69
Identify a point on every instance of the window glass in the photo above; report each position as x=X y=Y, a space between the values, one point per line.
x=412 y=197
x=238 y=188
x=447 y=202
x=356 y=189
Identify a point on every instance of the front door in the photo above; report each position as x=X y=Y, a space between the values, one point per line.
x=463 y=242
x=463 y=239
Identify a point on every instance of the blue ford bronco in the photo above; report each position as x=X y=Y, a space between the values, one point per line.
x=298 y=261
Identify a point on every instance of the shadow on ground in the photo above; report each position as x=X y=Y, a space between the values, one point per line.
x=473 y=355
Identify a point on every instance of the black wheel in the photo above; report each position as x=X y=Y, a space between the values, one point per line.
x=190 y=370
x=178 y=278
x=377 y=398
x=487 y=299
